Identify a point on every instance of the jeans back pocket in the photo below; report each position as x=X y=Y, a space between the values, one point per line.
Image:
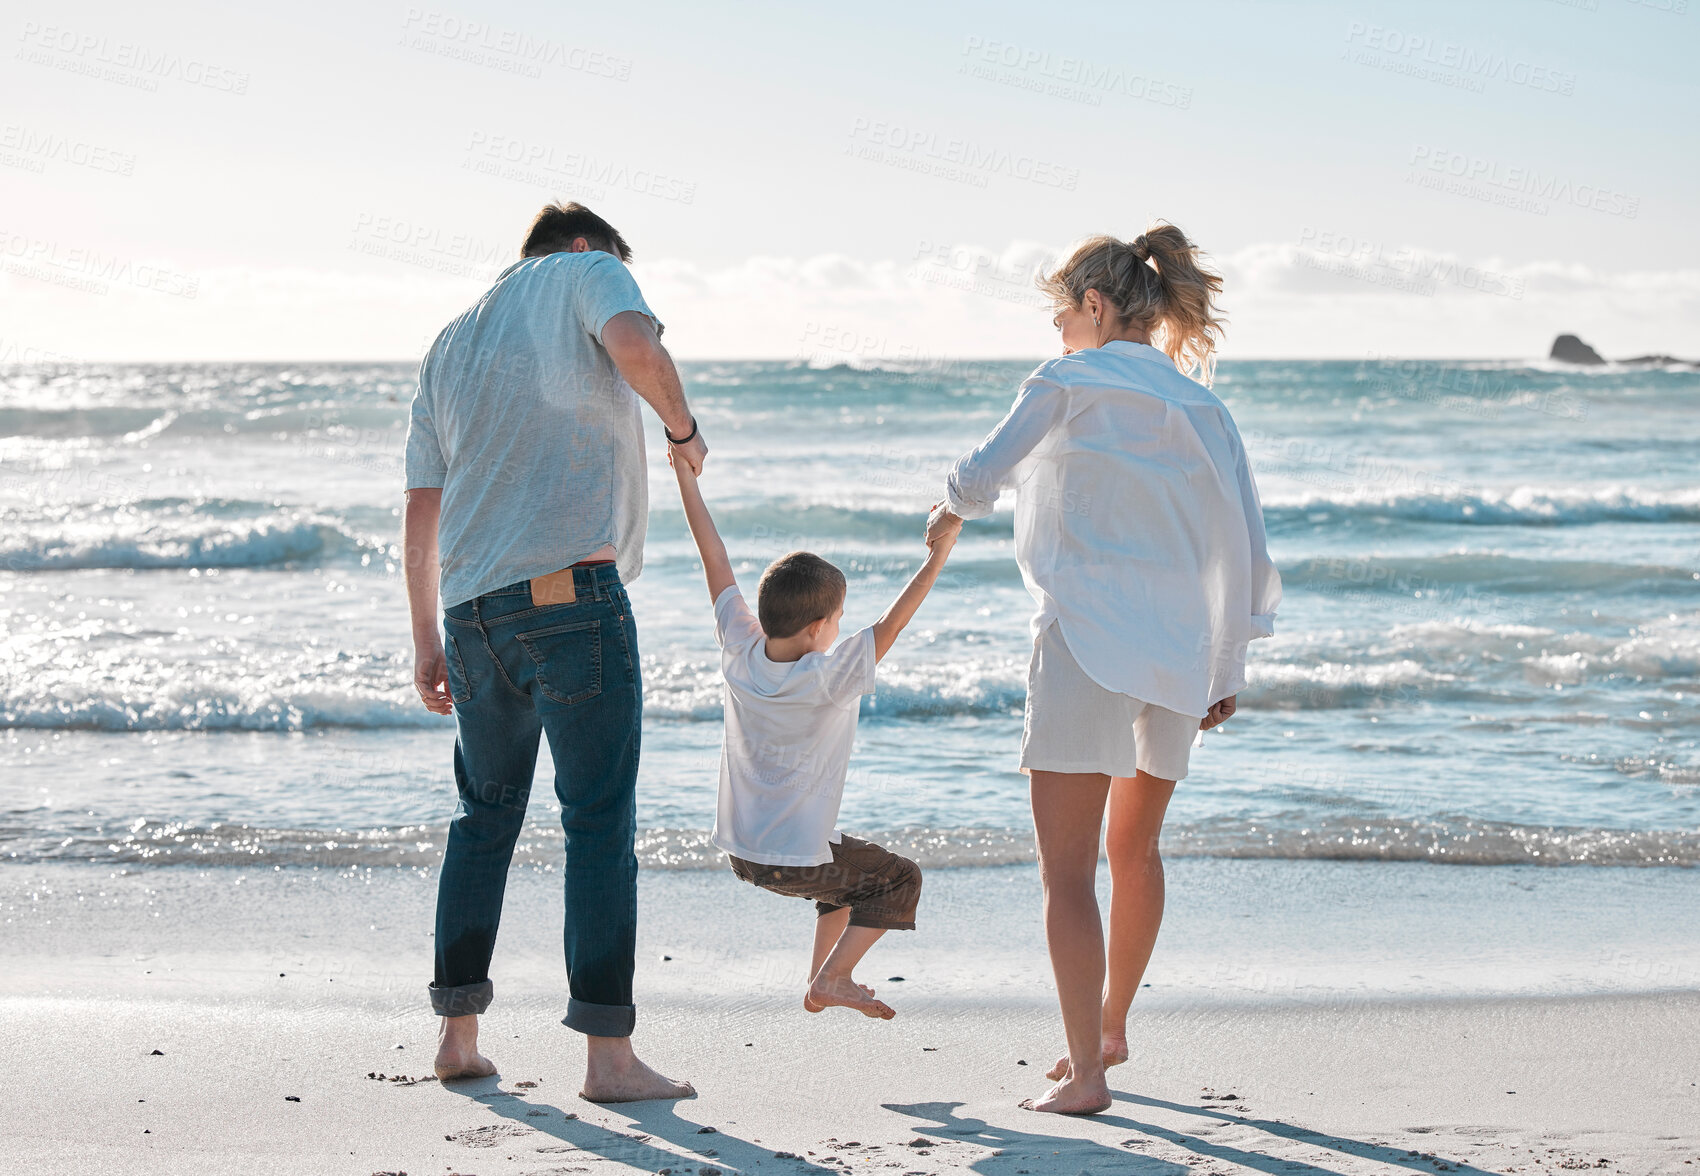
x=460 y=686
x=568 y=660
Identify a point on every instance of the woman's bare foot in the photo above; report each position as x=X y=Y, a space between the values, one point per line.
x=457 y=1050
x=1115 y=1053
x=1073 y=1097
x=844 y=992
x=1115 y=1047
x=614 y=1073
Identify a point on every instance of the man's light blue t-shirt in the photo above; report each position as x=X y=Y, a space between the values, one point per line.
x=524 y=421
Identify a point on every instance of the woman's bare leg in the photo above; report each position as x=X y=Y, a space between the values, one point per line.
x=1068 y=817
x=1137 y=808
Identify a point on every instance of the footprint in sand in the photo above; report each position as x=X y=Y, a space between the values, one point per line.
x=488 y=1136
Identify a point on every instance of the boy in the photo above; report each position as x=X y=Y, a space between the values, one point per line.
x=791 y=708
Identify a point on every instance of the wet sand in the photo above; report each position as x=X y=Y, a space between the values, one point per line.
x=287 y=1012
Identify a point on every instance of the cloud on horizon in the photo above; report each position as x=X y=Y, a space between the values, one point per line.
x=1317 y=298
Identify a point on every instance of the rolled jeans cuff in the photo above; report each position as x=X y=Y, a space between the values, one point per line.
x=463 y=1000
x=600 y=1020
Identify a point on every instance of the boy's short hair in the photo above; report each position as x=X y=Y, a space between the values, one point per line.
x=556 y=228
x=796 y=591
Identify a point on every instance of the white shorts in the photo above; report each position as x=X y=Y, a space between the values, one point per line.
x=1075 y=725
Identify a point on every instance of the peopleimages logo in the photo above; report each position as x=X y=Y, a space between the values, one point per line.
x=1074 y=78
x=78 y=267
x=90 y=51
x=479 y=42
x=1448 y=61
x=29 y=146
x=14 y=351
x=1523 y=181
x=1404 y=268
x=514 y=158
x=963 y=153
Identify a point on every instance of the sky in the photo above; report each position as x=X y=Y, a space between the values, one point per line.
x=868 y=182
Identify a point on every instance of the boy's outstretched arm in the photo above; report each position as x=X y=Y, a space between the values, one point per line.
x=715 y=563
x=940 y=539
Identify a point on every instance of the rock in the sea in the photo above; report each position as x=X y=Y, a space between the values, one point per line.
x=1662 y=361
x=1570 y=349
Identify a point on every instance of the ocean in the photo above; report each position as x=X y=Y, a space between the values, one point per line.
x=1489 y=650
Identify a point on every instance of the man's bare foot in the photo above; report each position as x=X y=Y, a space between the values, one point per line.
x=1115 y=1053
x=1073 y=1097
x=457 y=1050
x=614 y=1073
x=828 y=991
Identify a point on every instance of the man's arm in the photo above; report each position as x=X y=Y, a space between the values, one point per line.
x=419 y=551
x=715 y=563
x=630 y=340
x=902 y=609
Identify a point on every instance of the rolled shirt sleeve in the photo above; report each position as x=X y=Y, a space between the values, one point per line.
x=424 y=464
x=606 y=290
x=979 y=476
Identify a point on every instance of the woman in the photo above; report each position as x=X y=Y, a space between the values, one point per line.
x=1138 y=531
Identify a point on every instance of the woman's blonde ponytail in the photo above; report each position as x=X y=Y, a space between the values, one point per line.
x=1154 y=282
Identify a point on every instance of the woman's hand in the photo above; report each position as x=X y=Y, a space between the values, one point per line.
x=942 y=524
x=1220 y=713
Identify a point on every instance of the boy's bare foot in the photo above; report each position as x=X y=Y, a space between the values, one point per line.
x=826 y=992
x=1073 y=1097
x=457 y=1050
x=614 y=1073
x=1115 y=1053
x=809 y=1005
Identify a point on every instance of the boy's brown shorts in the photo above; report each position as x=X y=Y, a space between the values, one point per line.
x=880 y=888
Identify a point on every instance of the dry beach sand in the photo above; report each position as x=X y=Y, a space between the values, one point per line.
x=1557 y=1030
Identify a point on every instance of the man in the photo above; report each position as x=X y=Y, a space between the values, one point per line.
x=527 y=494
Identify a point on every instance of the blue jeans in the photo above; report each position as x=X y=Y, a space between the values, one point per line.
x=568 y=672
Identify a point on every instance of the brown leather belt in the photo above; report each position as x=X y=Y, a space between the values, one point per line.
x=558 y=587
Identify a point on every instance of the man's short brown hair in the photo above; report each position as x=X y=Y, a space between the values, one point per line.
x=556 y=228
x=796 y=591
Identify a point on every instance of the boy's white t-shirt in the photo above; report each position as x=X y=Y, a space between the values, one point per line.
x=790 y=727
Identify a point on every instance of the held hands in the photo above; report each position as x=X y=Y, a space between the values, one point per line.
x=942 y=529
x=430 y=677
x=693 y=451
x=1220 y=713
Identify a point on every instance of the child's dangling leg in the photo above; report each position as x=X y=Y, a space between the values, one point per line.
x=833 y=982
x=829 y=925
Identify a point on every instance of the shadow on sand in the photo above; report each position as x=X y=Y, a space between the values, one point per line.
x=655 y=1121
x=1032 y=1149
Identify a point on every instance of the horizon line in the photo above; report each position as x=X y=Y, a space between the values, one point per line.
x=849 y=361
